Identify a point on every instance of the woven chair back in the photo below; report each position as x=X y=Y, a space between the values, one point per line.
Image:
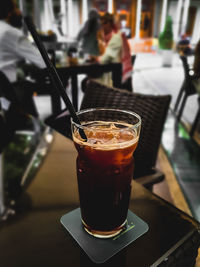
x=152 y=109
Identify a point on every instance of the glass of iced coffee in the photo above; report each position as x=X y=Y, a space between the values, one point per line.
x=105 y=167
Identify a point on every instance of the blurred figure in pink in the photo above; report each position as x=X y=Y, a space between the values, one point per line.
x=116 y=49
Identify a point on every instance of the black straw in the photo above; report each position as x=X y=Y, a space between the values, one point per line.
x=53 y=73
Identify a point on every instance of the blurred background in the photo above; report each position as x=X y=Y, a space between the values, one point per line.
x=141 y=20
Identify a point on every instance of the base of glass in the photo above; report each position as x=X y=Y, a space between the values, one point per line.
x=104 y=234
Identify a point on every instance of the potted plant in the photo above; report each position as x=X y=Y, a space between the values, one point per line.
x=166 y=43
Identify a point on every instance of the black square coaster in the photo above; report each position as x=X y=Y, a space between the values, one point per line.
x=100 y=250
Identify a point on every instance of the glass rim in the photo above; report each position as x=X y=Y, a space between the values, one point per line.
x=133 y=126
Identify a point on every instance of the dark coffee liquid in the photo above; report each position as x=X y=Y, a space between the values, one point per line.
x=104 y=172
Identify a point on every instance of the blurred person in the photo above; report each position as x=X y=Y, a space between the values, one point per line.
x=88 y=35
x=15 y=48
x=116 y=49
x=13 y=43
x=183 y=46
x=91 y=41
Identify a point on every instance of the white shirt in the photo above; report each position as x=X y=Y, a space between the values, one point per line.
x=112 y=54
x=113 y=49
x=14 y=46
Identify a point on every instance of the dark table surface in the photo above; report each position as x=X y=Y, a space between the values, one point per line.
x=69 y=73
x=35 y=236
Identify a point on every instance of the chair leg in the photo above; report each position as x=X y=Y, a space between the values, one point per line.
x=2 y=204
x=5 y=211
x=182 y=107
x=179 y=98
x=194 y=125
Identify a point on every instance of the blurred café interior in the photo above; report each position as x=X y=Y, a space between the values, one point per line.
x=38 y=182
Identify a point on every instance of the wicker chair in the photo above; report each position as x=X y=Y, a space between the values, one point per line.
x=153 y=111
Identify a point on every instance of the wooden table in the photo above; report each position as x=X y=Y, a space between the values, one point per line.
x=35 y=237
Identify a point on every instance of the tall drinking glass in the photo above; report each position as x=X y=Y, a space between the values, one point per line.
x=105 y=167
